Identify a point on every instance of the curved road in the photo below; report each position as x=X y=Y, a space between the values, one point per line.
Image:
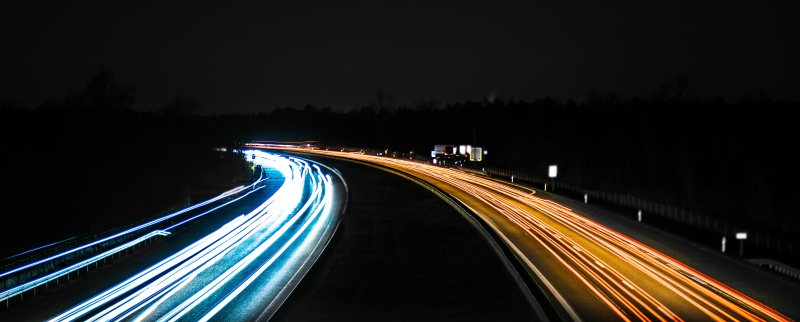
x=242 y=269
x=590 y=271
x=401 y=254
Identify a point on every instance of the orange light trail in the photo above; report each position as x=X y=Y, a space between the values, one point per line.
x=592 y=271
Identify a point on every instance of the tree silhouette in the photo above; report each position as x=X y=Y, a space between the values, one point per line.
x=677 y=89
x=104 y=93
x=180 y=106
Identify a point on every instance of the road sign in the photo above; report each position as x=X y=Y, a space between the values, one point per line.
x=741 y=236
x=552 y=172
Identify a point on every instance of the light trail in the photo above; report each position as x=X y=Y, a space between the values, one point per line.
x=245 y=259
x=594 y=271
x=41 y=247
x=32 y=284
x=50 y=277
x=126 y=232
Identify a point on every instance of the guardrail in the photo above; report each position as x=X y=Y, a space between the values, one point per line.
x=44 y=280
x=777 y=267
x=268 y=240
x=54 y=261
x=780 y=247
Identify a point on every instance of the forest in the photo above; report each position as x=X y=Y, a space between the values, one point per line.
x=71 y=160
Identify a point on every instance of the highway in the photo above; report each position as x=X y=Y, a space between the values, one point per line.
x=242 y=270
x=588 y=271
x=404 y=255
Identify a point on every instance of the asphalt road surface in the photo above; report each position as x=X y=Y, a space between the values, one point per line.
x=779 y=292
x=239 y=263
x=402 y=254
x=591 y=272
x=67 y=294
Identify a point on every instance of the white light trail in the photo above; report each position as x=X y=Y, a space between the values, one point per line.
x=207 y=276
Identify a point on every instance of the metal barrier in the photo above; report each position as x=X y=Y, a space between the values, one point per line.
x=782 y=247
x=52 y=262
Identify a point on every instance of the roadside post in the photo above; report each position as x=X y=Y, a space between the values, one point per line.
x=723 y=244
x=741 y=236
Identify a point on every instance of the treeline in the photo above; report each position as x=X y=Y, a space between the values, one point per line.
x=728 y=159
x=87 y=163
x=731 y=159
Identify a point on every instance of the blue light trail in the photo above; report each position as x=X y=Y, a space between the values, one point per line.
x=36 y=282
x=128 y=231
x=256 y=258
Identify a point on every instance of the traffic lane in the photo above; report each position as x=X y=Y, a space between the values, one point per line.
x=207 y=252
x=284 y=216
x=726 y=310
x=600 y=260
x=522 y=241
x=633 y=309
x=70 y=293
x=598 y=269
x=776 y=291
x=251 y=304
x=573 y=290
x=403 y=254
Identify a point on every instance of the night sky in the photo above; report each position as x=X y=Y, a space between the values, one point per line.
x=254 y=57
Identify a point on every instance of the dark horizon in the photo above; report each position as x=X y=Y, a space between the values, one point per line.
x=253 y=59
x=678 y=89
x=404 y=160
